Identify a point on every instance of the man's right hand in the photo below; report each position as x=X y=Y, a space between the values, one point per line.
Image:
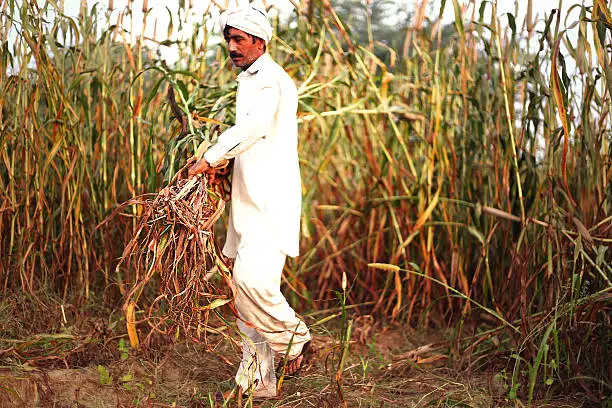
x=200 y=167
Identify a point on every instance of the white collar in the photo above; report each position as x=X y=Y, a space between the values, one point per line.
x=255 y=66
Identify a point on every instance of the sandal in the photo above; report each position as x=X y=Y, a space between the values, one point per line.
x=293 y=366
x=223 y=398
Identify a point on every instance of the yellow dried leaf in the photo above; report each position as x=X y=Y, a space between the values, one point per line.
x=130 y=317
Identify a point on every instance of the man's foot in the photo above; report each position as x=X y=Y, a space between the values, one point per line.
x=260 y=392
x=291 y=367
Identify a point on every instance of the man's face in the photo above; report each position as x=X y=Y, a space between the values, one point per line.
x=243 y=51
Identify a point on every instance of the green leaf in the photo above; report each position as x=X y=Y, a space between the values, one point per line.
x=542 y=351
x=170 y=23
x=218 y=303
x=481 y=10
x=150 y=96
x=601 y=255
x=442 y=5
x=105 y=378
x=477 y=234
x=512 y=24
x=458 y=19
x=151 y=171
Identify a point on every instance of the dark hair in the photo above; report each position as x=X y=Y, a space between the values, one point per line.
x=253 y=37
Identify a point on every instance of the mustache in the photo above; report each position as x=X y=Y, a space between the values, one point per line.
x=235 y=55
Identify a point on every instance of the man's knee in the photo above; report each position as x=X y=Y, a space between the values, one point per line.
x=251 y=284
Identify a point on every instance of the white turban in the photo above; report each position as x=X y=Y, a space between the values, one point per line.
x=249 y=19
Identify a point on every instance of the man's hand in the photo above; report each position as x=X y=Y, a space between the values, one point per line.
x=200 y=167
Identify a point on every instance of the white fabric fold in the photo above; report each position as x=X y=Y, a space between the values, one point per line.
x=273 y=327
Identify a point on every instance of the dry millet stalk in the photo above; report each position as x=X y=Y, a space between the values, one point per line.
x=175 y=240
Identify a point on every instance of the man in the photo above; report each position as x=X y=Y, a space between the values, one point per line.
x=264 y=220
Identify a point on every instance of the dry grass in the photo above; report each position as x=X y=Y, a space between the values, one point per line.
x=378 y=373
x=477 y=172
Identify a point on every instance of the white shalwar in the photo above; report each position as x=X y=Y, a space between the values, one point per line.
x=264 y=222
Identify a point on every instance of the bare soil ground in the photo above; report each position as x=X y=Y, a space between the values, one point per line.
x=53 y=354
x=390 y=367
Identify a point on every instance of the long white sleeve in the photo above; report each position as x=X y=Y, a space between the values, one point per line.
x=243 y=135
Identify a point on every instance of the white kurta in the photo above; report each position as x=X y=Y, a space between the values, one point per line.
x=264 y=218
x=266 y=185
